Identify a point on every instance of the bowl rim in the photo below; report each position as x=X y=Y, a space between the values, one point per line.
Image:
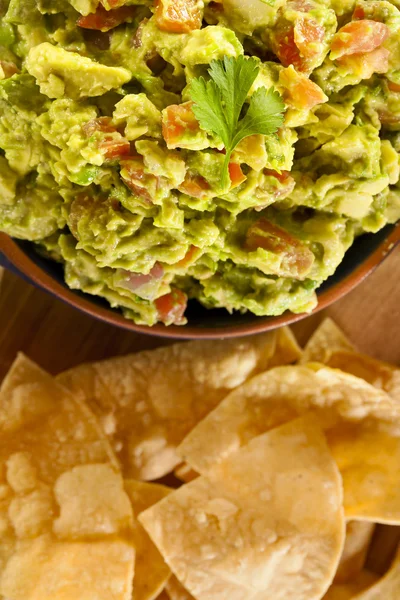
x=19 y=259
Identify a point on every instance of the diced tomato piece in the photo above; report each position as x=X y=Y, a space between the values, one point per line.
x=365 y=65
x=194 y=185
x=113 y=144
x=358 y=13
x=283 y=176
x=299 y=90
x=103 y=124
x=266 y=235
x=176 y=119
x=178 y=16
x=287 y=51
x=308 y=35
x=114 y=147
x=358 y=37
x=134 y=281
x=267 y=189
x=171 y=307
x=104 y=20
x=9 y=68
x=191 y=255
x=139 y=182
x=236 y=174
x=394 y=87
x=295 y=45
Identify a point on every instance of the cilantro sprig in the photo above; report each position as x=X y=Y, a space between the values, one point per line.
x=218 y=105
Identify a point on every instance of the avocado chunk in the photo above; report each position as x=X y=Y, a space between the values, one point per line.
x=85 y=7
x=210 y=43
x=8 y=182
x=61 y=73
x=140 y=115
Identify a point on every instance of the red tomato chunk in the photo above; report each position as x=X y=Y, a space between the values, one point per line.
x=171 y=307
x=104 y=20
x=266 y=235
x=178 y=16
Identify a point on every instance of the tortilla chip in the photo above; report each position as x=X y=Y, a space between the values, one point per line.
x=325 y=340
x=378 y=373
x=163 y=596
x=47 y=569
x=176 y=591
x=352 y=561
x=246 y=531
x=59 y=486
x=185 y=473
x=383 y=548
x=287 y=349
x=148 y=402
x=350 y=590
x=356 y=417
x=330 y=346
x=151 y=571
x=387 y=588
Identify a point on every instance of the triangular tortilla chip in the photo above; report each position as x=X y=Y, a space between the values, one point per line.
x=246 y=531
x=176 y=591
x=327 y=338
x=151 y=571
x=355 y=416
x=378 y=373
x=352 y=561
x=60 y=487
x=350 y=590
x=330 y=346
x=148 y=402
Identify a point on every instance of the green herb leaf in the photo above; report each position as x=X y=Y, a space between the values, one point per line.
x=218 y=104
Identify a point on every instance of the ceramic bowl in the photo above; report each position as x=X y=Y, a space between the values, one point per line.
x=367 y=252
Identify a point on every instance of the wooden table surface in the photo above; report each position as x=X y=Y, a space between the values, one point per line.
x=58 y=336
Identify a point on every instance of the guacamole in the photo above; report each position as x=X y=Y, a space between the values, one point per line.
x=106 y=167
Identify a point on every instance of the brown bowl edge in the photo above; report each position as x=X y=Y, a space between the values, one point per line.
x=26 y=266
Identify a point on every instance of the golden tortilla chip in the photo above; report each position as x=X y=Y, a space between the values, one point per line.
x=350 y=590
x=163 y=596
x=185 y=473
x=245 y=530
x=355 y=416
x=47 y=569
x=176 y=591
x=378 y=373
x=148 y=402
x=387 y=588
x=325 y=340
x=59 y=486
x=151 y=571
x=287 y=350
x=330 y=346
x=352 y=561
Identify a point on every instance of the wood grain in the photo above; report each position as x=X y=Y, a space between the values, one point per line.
x=58 y=336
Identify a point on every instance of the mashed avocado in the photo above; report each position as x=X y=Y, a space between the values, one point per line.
x=105 y=167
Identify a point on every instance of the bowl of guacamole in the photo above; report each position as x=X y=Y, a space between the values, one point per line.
x=168 y=154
